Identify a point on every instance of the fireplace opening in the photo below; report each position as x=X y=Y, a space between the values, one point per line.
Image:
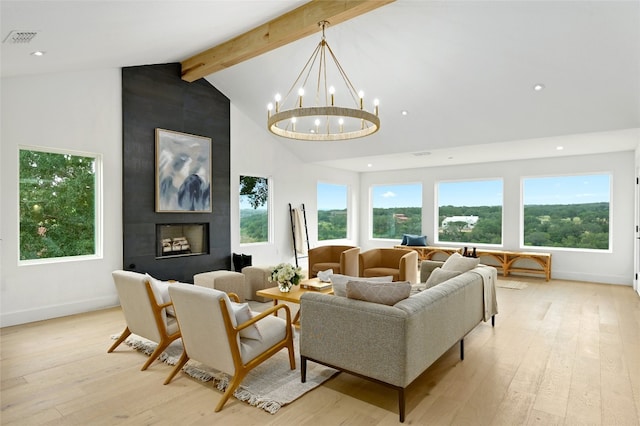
x=178 y=239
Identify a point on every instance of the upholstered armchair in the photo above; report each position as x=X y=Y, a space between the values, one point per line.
x=342 y=259
x=145 y=312
x=400 y=263
x=227 y=336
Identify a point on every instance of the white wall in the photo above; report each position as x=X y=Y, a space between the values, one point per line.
x=79 y=111
x=255 y=152
x=615 y=267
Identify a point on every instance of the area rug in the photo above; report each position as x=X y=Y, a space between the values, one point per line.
x=269 y=386
x=515 y=285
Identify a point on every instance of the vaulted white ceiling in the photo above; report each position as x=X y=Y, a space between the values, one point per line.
x=464 y=71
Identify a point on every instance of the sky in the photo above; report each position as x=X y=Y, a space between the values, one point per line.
x=332 y=196
x=567 y=189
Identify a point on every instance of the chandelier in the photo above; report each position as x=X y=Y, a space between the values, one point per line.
x=322 y=119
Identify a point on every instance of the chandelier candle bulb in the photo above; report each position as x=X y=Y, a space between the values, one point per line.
x=375 y=106
x=278 y=97
x=332 y=91
x=361 y=94
x=300 y=95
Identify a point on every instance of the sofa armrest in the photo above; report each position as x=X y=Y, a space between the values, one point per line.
x=365 y=338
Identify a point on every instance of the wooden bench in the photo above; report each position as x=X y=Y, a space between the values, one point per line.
x=505 y=261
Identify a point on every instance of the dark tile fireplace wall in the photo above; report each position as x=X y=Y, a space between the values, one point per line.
x=154 y=96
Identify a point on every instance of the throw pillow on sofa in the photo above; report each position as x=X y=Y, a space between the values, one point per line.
x=439 y=276
x=340 y=281
x=456 y=262
x=386 y=293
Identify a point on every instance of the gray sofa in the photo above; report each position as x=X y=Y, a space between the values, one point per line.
x=393 y=345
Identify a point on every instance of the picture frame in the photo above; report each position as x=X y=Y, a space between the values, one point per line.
x=183 y=172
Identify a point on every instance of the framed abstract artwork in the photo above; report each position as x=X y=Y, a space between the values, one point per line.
x=183 y=172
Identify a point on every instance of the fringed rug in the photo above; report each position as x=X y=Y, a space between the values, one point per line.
x=514 y=285
x=269 y=386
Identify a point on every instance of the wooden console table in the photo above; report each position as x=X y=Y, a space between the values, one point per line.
x=507 y=261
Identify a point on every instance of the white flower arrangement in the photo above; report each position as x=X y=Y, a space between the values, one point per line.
x=286 y=275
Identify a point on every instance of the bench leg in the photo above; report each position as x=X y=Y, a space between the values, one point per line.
x=401 y=404
x=462 y=349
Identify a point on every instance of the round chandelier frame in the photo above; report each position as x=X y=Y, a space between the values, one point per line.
x=332 y=123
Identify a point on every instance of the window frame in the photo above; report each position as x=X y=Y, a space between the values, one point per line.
x=347 y=207
x=269 y=205
x=436 y=206
x=97 y=200
x=610 y=174
x=371 y=207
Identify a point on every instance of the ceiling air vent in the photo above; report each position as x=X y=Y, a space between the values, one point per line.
x=421 y=154
x=17 y=37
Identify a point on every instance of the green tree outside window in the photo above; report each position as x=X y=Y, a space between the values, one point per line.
x=57 y=205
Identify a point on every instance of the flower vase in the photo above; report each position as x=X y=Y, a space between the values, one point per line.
x=284 y=287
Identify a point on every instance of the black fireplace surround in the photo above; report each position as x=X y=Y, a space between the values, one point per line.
x=154 y=96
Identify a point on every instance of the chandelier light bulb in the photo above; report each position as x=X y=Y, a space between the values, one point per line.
x=376 y=103
x=269 y=108
x=300 y=95
x=332 y=91
x=361 y=96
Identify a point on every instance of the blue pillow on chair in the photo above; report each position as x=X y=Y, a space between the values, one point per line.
x=414 y=240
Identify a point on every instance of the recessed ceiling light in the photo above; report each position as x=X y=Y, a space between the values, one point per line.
x=38 y=53
x=404 y=112
x=538 y=87
x=369 y=165
x=559 y=148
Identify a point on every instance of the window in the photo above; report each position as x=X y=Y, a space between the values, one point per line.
x=567 y=211
x=254 y=209
x=470 y=211
x=332 y=211
x=396 y=210
x=58 y=204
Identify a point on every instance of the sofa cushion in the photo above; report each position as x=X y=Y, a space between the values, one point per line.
x=340 y=282
x=456 y=262
x=386 y=293
x=440 y=275
x=243 y=314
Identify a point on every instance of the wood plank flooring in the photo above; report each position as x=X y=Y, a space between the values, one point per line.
x=562 y=353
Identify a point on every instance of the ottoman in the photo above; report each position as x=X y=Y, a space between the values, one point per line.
x=256 y=278
x=227 y=281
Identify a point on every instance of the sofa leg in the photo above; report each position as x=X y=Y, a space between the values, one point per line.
x=401 y=404
x=493 y=320
x=462 y=349
x=303 y=368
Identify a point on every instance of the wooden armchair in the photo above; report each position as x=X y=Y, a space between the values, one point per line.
x=212 y=335
x=342 y=259
x=144 y=313
x=400 y=263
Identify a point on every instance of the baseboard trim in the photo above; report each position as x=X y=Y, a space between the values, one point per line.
x=8 y=319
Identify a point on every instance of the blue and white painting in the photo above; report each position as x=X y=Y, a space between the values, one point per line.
x=183 y=172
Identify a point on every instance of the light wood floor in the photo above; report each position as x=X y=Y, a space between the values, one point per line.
x=561 y=353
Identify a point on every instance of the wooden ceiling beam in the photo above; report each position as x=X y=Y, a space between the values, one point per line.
x=291 y=26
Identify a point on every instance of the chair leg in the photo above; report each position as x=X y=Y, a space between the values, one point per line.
x=401 y=404
x=292 y=355
x=126 y=333
x=233 y=385
x=181 y=362
x=159 y=349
